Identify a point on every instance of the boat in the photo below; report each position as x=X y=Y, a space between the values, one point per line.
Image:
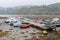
x=25 y=26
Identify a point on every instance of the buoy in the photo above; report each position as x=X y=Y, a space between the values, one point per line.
x=45 y=32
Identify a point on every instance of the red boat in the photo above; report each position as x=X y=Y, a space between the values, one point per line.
x=25 y=26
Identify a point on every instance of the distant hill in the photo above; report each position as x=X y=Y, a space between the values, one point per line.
x=55 y=6
x=52 y=9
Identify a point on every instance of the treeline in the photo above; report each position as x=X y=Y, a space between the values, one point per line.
x=52 y=9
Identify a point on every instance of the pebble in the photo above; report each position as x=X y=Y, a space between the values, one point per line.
x=22 y=32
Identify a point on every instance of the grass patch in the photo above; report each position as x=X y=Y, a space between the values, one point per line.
x=2 y=34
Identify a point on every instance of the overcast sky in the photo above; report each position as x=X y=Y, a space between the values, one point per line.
x=12 y=3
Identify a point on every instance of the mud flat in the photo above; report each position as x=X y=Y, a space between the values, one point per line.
x=16 y=33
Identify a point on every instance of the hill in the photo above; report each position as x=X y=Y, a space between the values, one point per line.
x=52 y=9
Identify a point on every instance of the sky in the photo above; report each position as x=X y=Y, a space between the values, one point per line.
x=13 y=3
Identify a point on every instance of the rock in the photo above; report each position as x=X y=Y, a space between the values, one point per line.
x=26 y=31
x=34 y=30
x=39 y=33
x=33 y=33
x=10 y=29
x=22 y=32
x=25 y=36
x=1 y=30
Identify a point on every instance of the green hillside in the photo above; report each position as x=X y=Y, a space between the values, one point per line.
x=53 y=9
